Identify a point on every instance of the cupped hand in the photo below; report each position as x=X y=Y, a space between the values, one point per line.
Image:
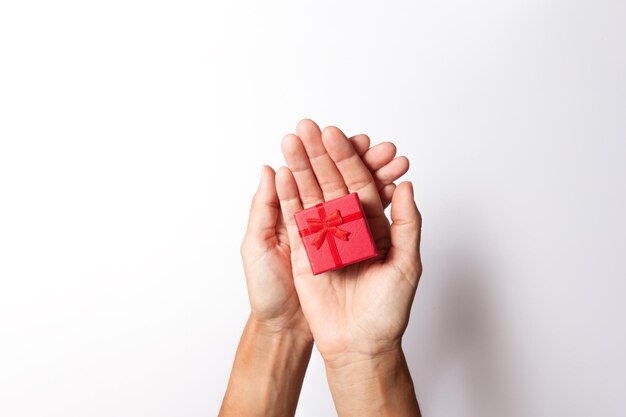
x=362 y=310
x=266 y=249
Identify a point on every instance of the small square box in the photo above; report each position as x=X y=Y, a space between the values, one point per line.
x=335 y=233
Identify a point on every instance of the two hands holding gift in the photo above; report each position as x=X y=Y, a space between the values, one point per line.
x=324 y=265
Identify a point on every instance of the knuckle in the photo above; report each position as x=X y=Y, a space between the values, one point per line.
x=332 y=186
x=359 y=184
x=310 y=198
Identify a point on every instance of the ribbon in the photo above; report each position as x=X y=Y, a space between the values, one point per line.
x=326 y=229
x=325 y=226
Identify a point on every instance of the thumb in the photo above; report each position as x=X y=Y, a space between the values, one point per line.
x=406 y=228
x=264 y=207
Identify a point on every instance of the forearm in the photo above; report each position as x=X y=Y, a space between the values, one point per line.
x=378 y=386
x=268 y=372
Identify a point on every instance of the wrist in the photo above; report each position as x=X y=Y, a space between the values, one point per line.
x=357 y=367
x=293 y=327
x=268 y=371
x=361 y=353
x=372 y=384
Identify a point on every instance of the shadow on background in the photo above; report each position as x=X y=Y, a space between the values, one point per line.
x=456 y=343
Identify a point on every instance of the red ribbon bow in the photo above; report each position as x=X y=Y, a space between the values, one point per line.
x=325 y=225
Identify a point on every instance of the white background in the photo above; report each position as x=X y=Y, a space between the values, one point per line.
x=132 y=137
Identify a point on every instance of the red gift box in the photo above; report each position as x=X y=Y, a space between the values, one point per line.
x=335 y=233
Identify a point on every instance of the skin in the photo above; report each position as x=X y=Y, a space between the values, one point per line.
x=357 y=328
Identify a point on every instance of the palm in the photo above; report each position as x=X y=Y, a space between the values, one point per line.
x=267 y=264
x=355 y=300
x=266 y=248
x=363 y=307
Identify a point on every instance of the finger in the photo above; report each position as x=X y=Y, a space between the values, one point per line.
x=264 y=207
x=289 y=199
x=298 y=162
x=391 y=171
x=405 y=233
x=328 y=176
x=379 y=155
x=354 y=172
x=386 y=193
x=361 y=143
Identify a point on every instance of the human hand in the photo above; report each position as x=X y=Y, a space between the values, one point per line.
x=265 y=249
x=275 y=346
x=361 y=311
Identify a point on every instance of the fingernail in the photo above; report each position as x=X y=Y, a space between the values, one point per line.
x=262 y=172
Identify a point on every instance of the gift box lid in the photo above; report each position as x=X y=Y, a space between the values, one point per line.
x=335 y=233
